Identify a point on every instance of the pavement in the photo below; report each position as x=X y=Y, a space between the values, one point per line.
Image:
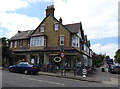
x=101 y=77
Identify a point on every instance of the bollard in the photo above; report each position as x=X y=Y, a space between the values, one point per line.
x=84 y=72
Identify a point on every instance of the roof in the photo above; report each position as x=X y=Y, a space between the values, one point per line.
x=22 y=35
x=38 y=34
x=74 y=28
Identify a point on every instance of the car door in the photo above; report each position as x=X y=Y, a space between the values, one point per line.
x=23 y=67
x=18 y=67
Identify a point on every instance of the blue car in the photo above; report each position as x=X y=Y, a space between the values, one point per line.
x=24 y=67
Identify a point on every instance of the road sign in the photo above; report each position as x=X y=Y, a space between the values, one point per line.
x=84 y=71
x=62 y=54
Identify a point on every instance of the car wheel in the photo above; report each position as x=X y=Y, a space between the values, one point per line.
x=11 y=70
x=26 y=72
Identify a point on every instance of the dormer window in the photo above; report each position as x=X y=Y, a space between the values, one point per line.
x=42 y=28
x=56 y=26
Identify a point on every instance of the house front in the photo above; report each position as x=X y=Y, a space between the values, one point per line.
x=52 y=42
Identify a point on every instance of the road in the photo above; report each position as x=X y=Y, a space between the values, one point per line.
x=21 y=80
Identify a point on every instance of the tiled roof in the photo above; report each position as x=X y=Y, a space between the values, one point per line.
x=74 y=28
x=22 y=35
x=38 y=34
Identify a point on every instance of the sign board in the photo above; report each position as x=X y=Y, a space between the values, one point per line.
x=84 y=71
x=57 y=59
x=62 y=54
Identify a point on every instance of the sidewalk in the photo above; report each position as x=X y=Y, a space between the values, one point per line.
x=100 y=77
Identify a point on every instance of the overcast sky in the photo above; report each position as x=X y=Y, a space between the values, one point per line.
x=99 y=19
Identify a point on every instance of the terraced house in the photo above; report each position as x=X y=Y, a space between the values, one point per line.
x=53 y=42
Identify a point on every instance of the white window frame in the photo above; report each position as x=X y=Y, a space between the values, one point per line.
x=56 y=26
x=42 y=28
x=62 y=40
x=37 y=41
x=15 y=44
x=11 y=44
x=75 y=41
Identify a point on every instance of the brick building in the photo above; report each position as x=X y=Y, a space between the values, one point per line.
x=51 y=40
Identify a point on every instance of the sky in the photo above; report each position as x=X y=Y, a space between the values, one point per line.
x=99 y=19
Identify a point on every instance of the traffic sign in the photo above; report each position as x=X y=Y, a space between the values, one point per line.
x=62 y=54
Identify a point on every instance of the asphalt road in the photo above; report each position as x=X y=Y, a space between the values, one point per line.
x=21 y=80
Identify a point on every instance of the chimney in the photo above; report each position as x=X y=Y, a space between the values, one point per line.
x=50 y=10
x=60 y=20
x=19 y=31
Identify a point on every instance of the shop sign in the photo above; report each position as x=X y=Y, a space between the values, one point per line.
x=57 y=59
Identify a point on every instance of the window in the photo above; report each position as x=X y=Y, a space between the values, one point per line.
x=11 y=44
x=62 y=40
x=56 y=26
x=42 y=28
x=20 y=43
x=15 y=44
x=37 y=41
x=75 y=41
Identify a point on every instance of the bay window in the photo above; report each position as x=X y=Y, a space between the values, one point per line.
x=75 y=41
x=37 y=41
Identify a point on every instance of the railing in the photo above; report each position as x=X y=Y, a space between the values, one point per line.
x=73 y=72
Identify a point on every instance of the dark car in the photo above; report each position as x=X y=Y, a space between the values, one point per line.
x=24 y=67
x=114 y=69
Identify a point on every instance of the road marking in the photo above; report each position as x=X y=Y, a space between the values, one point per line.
x=44 y=81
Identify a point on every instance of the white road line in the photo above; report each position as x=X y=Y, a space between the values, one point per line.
x=44 y=81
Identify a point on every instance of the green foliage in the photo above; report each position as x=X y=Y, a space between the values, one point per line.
x=5 y=48
x=6 y=53
x=117 y=56
x=99 y=60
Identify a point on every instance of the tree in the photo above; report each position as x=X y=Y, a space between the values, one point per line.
x=98 y=60
x=6 y=53
x=117 y=56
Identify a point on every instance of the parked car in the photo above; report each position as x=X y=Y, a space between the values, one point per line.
x=114 y=69
x=24 y=67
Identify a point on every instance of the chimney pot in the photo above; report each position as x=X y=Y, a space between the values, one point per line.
x=19 y=31
x=60 y=20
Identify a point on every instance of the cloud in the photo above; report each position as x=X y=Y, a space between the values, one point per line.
x=14 y=22
x=99 y=17
x=108 y=49
x=12 y=5
x=1 y=31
